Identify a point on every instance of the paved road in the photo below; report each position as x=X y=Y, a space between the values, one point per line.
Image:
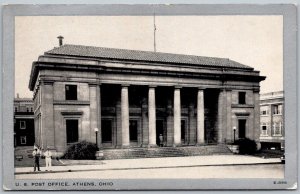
x=234 y=171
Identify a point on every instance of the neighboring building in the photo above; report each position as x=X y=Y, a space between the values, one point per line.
x=272 y=120
x=23 y=122
x=134 y=96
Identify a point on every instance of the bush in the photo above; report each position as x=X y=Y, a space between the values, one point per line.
x=81 y=151
x=246 y=146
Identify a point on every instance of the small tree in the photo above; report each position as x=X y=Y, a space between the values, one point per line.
x=81 y=151
x=246 y=146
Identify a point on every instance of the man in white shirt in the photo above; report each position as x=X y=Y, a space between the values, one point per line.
x=48 y=159
x=36 y=155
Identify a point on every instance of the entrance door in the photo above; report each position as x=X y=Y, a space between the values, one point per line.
x=183 y=131
x=133 y=130
x=242 y=128
x=159 y=130
x=72 y=130
x=106 y=127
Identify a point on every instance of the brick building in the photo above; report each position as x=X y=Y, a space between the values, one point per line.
x=132 y=97
x=23 y=122
x=272 y=120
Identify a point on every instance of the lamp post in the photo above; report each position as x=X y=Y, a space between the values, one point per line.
x=234 y=129
x=96 y=131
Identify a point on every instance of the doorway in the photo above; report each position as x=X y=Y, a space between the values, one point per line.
x=72 y=130
x=106 y=126
x=133 y=130
x=242 y=128
x=159 y=130
x=183 y=131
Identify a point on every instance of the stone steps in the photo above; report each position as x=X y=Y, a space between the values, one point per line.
x=130 y=153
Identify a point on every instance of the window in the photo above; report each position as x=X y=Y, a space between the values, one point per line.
x=31 y=109
x=242 y=97
x=27 y=109
x=72 y=130
x=22 y=125
x=264 y=110
x=264 y=129
x=277 y=109
x=281 y=126
x=16 y=109
x=280 y=109
x=71 y=92
x=277 y=129
x=23 y=139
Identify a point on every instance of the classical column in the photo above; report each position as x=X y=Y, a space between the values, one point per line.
x=229 y=133
x=99 y=134
x=177 y=117
x=125 y=116
x=200 y=117
x=145 y=123
x=170 y=123
x=256 y=126
x=152 y=116
x=221 y=113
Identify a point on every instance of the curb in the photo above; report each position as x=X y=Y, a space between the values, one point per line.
x=98 y=169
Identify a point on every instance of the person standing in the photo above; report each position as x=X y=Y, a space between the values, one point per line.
x=48 y=159
x=161 y=140
x=36 y=156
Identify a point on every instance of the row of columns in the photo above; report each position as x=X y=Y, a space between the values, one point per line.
x=152 y=116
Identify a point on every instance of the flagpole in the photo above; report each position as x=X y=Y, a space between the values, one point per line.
x=154 y=32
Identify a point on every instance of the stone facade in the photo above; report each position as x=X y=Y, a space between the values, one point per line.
x=134 y=96
x=272 y=120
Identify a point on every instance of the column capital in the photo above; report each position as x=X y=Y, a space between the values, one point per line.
x=201 y=88
x=125 y=85
x=177 y=87
x=94 y=84
x=152 y=86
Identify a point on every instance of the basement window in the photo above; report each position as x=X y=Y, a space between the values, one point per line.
x=71 y=92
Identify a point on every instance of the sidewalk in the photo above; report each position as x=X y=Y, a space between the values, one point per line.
x=150 y=163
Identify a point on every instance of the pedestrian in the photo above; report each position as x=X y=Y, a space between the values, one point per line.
x=36 y=156
x=161 y=140
x=48 y=159
x=35 y=146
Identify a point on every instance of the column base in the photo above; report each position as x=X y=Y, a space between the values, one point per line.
x=152 y=146
x=177 y=145
x=200 y=144
x=122 y=146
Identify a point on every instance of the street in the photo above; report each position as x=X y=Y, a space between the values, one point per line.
x=193 y=172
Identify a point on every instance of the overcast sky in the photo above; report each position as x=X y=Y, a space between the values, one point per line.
x=256 y=41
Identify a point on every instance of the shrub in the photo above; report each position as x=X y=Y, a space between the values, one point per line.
x=246 y=146
x=81 y=151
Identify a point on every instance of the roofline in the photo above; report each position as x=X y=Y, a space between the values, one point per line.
x=47 y=53
x=37 y=64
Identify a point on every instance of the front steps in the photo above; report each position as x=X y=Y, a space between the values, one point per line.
x=110 y=154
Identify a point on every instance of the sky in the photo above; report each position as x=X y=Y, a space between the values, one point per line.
x=256 y=41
